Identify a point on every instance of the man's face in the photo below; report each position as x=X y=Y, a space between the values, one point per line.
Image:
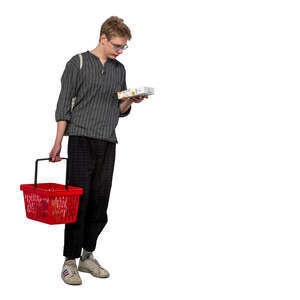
x=110 y=47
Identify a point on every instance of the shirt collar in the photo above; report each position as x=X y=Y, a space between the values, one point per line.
x=96 y=57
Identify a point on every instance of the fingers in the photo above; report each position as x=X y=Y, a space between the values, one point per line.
x=135 y=97
x=54 y=156
x=138 y=99
x=51 y=156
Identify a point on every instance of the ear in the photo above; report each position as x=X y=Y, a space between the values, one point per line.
x=102 y=38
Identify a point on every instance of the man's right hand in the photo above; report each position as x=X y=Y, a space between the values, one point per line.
x=54 y=154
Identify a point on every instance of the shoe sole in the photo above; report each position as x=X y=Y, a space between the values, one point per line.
x=81 y=269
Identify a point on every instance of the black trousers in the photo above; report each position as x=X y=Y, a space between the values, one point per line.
x=91 y=165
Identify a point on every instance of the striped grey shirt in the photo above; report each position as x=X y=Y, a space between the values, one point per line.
x=96 y=110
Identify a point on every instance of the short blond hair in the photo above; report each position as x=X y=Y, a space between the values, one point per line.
x=114 y=27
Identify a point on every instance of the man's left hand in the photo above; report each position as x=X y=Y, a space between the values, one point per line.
x=137 y=99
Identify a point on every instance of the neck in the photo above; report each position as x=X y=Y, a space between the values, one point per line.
x=99 y=51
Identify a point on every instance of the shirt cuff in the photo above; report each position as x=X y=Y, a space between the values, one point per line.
x=63 y=118
x=126 y=113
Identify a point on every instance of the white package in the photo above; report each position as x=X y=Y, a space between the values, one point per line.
x=136 y=92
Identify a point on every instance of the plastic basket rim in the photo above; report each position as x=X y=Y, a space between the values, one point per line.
x=60 y=189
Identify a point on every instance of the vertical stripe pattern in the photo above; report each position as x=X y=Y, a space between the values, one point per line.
x=88 y=98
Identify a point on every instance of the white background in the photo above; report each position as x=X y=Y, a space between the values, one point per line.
x=205 y=195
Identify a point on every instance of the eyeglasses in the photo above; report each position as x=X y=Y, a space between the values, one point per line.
x=118 y=47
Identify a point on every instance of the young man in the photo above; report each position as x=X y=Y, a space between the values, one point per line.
x=90 y=122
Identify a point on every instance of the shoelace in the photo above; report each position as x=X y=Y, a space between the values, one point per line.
x=91 y=257
x=73 y=269
x=97 y=263
x=94 y=260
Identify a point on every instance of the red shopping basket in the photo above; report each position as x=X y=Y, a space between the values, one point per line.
x=51 y=203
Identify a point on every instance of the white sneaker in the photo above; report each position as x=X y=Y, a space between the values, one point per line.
x=89 y=264
x=69 y=273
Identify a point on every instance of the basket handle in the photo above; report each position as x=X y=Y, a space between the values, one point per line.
x=49 y=159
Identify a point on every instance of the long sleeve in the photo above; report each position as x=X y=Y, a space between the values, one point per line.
x=124 y=87
x=68 y=90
